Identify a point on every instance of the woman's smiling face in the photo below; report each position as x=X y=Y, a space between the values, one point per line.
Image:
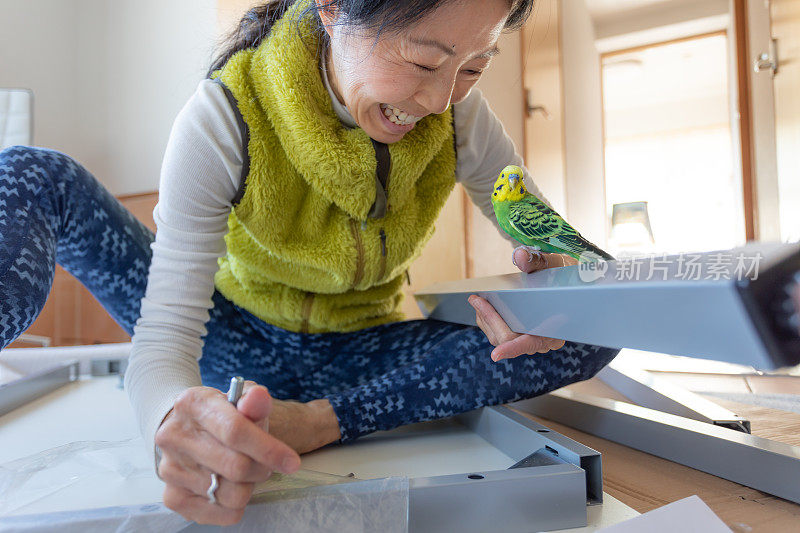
x=409 y=74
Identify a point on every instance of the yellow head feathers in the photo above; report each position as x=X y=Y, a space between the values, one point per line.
x=509 y=186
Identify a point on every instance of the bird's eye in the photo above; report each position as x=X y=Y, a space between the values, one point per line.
x=502 y=175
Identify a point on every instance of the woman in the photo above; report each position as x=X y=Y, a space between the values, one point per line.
x=299 y=182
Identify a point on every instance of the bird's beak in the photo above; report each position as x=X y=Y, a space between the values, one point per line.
x=513 y=179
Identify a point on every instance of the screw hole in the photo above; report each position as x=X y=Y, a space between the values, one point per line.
x=475 y=476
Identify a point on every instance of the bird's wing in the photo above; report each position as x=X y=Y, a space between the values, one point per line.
x=533 y=222
x=534 y=219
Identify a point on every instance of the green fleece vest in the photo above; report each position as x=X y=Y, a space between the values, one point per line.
x=302 y=252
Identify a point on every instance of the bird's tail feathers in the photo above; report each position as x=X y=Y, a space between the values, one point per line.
x=593 y=253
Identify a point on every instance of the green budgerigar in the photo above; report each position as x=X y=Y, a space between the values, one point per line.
x=529 y=221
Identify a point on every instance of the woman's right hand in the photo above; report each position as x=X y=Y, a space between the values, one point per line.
x=205 y=433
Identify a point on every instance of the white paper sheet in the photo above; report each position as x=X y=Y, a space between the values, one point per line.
x=689 y=515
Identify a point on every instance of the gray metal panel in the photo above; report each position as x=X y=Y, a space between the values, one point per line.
x=525 y=499
x=23 y=390
x=703 y=317
x=533 y=498
x=537 y=498
x=518 y=437
x=654 y=392
x=762 y=464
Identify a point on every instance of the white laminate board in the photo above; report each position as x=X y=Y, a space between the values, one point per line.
x=427 y=449
x=85 y=411
x=689 y=515
x=98 y=410
x=88 y=409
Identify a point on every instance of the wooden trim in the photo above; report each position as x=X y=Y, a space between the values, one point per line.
x=563 y=105
x=523 y=94
x=467 y=207
x=662 y=43
x=136 y=195
x=607 y=228
x=745 y=117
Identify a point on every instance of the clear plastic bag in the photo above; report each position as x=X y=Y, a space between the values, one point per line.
x=360 y=507
x=60 y=488
x=60 y=478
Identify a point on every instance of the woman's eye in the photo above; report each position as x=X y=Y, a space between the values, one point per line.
x=425 y=69
x=473 y=72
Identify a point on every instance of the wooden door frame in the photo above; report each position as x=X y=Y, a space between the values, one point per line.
x=753 y=34
x=745 y=117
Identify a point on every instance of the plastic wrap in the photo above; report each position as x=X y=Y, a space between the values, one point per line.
x=62 y=478
x=358 y=507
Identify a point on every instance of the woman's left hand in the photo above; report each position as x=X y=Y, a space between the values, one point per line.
x=507 y=343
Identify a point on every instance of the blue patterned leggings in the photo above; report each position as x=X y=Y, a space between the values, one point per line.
x=52 y=210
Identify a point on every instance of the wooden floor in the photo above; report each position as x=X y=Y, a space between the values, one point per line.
x=773 y=424
x=645 y=482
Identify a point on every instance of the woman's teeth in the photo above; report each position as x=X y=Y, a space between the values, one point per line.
x=398 y=116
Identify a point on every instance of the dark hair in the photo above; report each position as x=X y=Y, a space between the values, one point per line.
x=378 y=15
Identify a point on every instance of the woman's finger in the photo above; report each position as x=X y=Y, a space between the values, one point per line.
x=569 y=260
x=526 y=345
x=197 y=480
x=492 y=320
x=486 y=330
x=528 y=260
x=556 y=344
x=237 y=432
x=522 y=345
x=198 y=508
x=203 y=449
x=255 y=403
x=185 y=442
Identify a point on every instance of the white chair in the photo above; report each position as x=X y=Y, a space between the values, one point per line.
x=16 y=117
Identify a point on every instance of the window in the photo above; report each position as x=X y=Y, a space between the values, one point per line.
x=668 y=147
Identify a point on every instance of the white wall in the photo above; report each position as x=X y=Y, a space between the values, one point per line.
x=630 y=19
x=108 y=77
x=155 y=60
x=583 y=123
x=502 y=86
x=38 y=50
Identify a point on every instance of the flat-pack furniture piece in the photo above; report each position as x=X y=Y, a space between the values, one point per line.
x=655 y=392
x=731 y=305
x=763 y=464
x=491 y=468
x=740 y=306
